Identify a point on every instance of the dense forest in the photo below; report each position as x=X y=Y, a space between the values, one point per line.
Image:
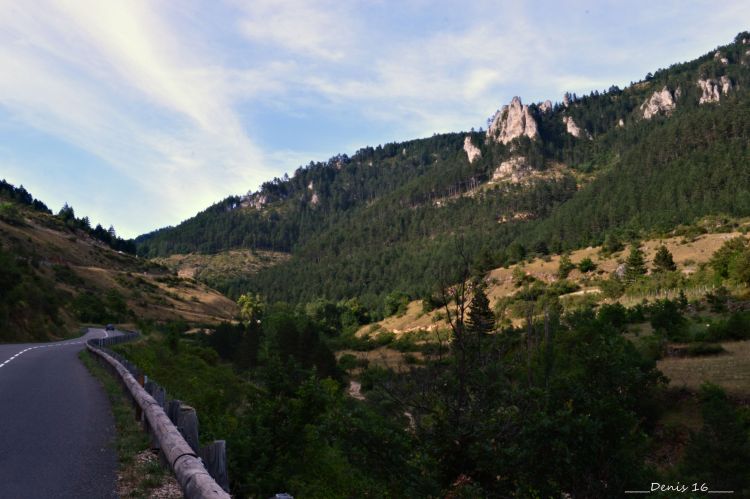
x=387 y=217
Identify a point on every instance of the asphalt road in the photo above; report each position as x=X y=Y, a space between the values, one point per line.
x=56 y=424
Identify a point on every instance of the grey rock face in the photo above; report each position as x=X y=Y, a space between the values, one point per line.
x=471 y=150
x=661 y=102
x=712 y=90
x=511 y=122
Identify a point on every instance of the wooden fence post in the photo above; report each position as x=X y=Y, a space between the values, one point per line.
x=214 y=457
x=187 y=423
x=173 y=411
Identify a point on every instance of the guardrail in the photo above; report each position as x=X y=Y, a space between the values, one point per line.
x=172 y=426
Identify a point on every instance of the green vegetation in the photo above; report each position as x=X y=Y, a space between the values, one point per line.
x=567 y=402
x=387 y=218
x=137 y=479
x=663 y=261
x=29 y=305
x=719 y=452
x=107 y=236
x=635 y=265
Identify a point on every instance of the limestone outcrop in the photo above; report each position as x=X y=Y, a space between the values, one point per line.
x=471 y=150
x=712 y=90
x=513 y=170
x=256 y=201
x=573 y=128
x=661 y=102
x=511 y=122
x=545 y=106
x=314 y=199
x=721 y=58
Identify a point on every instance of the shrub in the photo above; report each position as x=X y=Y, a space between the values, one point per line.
x=586 y=265
x=348 y=362
x=666 y=318
x=10 y=214
x=565 y=267
x=704 y=349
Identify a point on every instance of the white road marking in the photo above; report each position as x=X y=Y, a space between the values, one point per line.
x=45 y=346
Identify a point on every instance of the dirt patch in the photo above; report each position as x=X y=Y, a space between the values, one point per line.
x=145 y=478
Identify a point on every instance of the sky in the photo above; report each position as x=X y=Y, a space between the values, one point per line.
x=140 y=113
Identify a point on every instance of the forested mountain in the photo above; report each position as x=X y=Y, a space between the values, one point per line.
x=546 y=177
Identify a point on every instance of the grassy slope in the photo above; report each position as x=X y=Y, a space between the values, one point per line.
x=65 y=263
x=688 y=255
x=730 y=370
x=221 y=269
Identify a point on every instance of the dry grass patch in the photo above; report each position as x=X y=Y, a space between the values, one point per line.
x=234 y=262
x=687 y=256
x=731 y=371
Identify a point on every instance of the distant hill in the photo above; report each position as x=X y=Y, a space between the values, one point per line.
x=55 y=275
x=545 y=177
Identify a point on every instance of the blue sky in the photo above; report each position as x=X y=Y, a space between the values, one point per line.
x=139 y=113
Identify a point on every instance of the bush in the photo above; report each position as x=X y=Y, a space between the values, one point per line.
x=10 y=214
x=665 y=317
x=718 y=299
x=735 y=327
x=396 y=303
x=615 y=314
x=565 y=267
x=704 y=349
x=348 y=362
x=719 y=452
x=586 y=265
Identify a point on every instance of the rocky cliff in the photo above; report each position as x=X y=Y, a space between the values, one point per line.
x=712 y=90
x=661 y=102
x=471 y=150
x=573 y=129
x=513 y=121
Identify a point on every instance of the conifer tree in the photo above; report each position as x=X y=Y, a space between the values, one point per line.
x=663 y=261
x=635 y=265
x=565 y=266
x=480 y=318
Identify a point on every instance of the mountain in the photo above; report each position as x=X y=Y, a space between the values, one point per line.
x=620 y=163
x=56 y=273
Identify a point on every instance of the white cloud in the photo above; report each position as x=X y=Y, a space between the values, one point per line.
x=320 y=28
x=170 y=94
x=112 y=79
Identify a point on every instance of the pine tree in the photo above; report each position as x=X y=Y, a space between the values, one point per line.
x=565 y=267
x=635 y=265
x=480 y=318
x=663 y=261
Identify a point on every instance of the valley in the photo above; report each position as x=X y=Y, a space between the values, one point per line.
x=556 y=306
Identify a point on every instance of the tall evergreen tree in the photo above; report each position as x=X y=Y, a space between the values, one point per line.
x=663 y=261
x=480 y=318
x=635 y=265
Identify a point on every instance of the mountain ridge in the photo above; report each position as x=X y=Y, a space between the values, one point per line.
x=385 y=218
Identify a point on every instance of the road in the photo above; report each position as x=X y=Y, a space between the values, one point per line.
x=56 y=424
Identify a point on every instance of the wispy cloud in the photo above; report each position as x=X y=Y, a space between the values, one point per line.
x=115 y=79
x=192 y=101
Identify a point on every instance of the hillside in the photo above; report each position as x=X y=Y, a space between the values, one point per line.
x=689 y=254
x=55 y=276
x=544 y=178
